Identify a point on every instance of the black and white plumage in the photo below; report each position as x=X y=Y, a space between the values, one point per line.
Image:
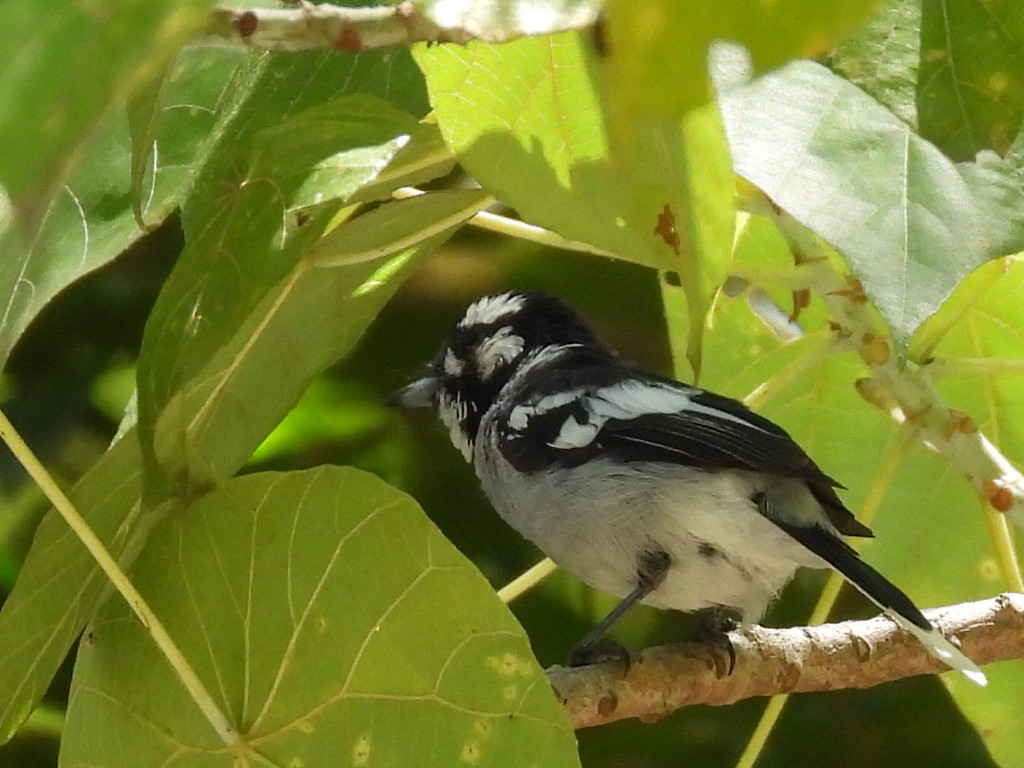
x=640 y=486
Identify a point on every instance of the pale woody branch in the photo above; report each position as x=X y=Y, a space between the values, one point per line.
x=325 y=27
x=853 y=654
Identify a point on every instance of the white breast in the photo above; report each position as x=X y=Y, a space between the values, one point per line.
x=596 y=520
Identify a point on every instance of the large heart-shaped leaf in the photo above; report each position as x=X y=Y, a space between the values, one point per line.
x=331 y=623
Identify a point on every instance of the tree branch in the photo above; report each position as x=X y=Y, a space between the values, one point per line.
x=326 y=27
x=853 y=654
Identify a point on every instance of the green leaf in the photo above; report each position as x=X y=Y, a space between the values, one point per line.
x=971 y=84
x=63 y=67
x=928 y=508
x=60 y=585
x=909 y=222
x=659 y=48
x=930 y=511
x=708 y=222
x=247 y=221
x=539 y=141
x=542 y=143
x=424 y=158
x=332 y=623
x=143 y=122
x=271 y=88
x=171 y=118
x=883 y=56
x=214 y=390
x=809 y=389
x=980 y=355
x=184 y=127
x=90 y=221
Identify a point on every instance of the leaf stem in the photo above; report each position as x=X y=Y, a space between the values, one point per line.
x=504 y=225
x=527 y=581
x=120 y=580
x=774 y=384
x=1002 y=542
x=974 y=366
x=759 y=738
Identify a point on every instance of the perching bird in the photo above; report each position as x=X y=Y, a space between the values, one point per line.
x=640 y=486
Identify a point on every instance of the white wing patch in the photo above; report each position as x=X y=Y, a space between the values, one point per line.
x=575 y=435
x=500 y=348
x=490 y=309
x=624 y=401
x=630 y=399
x=520 y=416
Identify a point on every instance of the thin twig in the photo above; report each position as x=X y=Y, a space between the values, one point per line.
x=326 y=27
x=853 y=654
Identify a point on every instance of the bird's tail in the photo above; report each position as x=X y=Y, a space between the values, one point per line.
x=939 y=647
x=886 y=595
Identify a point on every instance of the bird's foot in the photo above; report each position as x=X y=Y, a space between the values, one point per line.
x=713 y=627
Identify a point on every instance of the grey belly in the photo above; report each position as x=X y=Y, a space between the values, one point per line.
x=596 y=521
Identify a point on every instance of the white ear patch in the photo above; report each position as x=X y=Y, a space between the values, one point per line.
x=490 y=309
x=500 y=348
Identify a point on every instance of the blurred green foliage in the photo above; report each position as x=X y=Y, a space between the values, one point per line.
x=288 y=254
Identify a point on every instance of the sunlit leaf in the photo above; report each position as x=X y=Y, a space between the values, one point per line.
x=332 y=624
x=651 y=191
x=981 y=354
x=909 y=222
x=928 y=508
x=708 y=222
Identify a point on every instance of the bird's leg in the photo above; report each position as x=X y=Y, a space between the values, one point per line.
x=651 y=570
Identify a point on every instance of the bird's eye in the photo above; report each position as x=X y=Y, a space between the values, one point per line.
x=473 y=336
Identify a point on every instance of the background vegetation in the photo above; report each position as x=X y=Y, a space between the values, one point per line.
x=212 y=230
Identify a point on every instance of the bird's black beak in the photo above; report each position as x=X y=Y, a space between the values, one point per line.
x=422 y=393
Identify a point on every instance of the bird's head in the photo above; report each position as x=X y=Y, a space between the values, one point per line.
x=493 y=339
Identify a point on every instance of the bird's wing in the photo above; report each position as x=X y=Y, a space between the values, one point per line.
x=630 y=417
